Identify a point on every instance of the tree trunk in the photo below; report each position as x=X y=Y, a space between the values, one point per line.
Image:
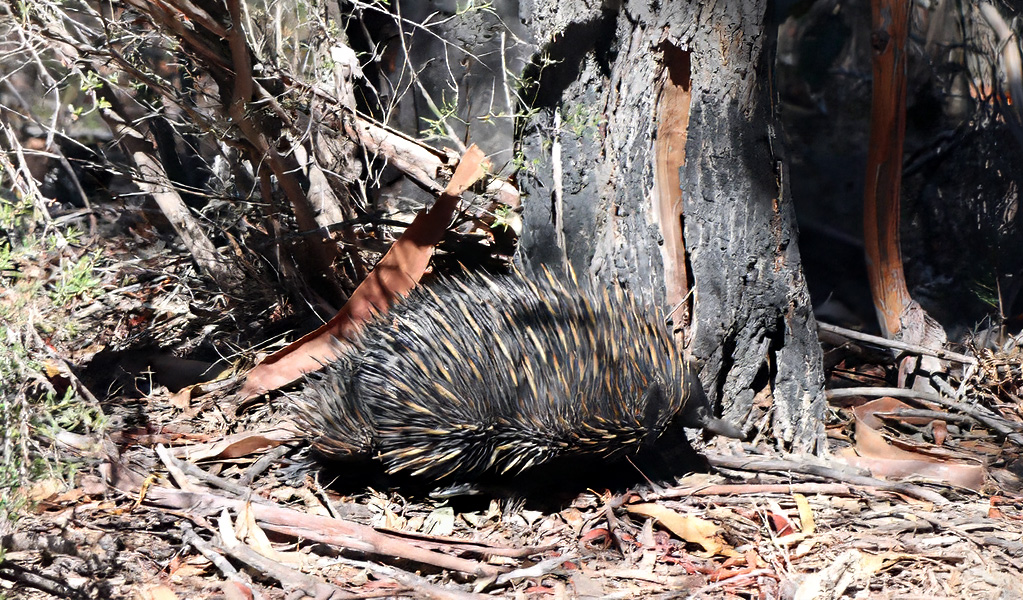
x=620 y=99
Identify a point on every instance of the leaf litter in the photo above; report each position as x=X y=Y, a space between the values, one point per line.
x=198 y=496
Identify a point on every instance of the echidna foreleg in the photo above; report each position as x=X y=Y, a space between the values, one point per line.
x=655 y=404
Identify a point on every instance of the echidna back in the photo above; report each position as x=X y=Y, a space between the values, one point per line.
x=479 y=374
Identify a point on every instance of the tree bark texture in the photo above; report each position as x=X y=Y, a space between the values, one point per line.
x=890 y=22
x=610 y=115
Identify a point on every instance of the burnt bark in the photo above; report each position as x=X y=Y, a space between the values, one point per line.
x=596 y=199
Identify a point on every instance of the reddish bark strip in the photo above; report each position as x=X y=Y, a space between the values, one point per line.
x=890 y=23
x=670 y=154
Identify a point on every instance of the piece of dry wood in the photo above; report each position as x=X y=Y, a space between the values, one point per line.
x=440 y=542
x=414 y=582
x=890 y=23
x=181 y=469
x=897 y=345
x=289 y=578
x=175 y=471
x=190 y=537
x=323 y=251
x=153 y=180
x=301 y=525
x=58 y=589
x=420 y=163
x=674 y=97
x=809 y=466
x=736 y=489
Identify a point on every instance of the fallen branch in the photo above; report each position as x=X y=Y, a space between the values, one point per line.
x=289 y=578
x=462 y=545
x=179 y=469
x=738 y=489
x=58 y=589
x=326 y=530
x=410 y=157
x=414 y=582
x=190 y=537
x=896 y=345
x=806 y=467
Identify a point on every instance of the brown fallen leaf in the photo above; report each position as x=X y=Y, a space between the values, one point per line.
x=687 y=527
x=182 y=570
x=236 y=590
x=45 y=489
x=780 y=521
x=940 y=429
x=236 y=445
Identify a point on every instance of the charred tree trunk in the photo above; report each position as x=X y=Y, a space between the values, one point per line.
x=621 y=99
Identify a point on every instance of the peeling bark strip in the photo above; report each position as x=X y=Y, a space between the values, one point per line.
x=890 y=22
x=674 y=97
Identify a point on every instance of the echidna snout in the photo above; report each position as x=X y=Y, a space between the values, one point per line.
x=478 y=375
x=699 y=414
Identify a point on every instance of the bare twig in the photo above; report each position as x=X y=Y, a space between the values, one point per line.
x=758 y=489
x=154 y=180
x=414 y=582
x=184 y=468
x=17 y=573
x=190 y=537
x=896 y=345
x=288 y=577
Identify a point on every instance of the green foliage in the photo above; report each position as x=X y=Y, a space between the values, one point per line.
x=67 y=412
x=42 y=275
x=520 y=162
x=506 y=218
x=447 y=110
x=14 y=463
x=14 y=212
x=78 y=280
x=985 y=288
x=581 y=120
x=91 y=82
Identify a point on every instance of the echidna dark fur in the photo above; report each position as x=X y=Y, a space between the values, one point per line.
x=477 y=375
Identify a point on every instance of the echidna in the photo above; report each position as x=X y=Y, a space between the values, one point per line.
x=477 y=375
